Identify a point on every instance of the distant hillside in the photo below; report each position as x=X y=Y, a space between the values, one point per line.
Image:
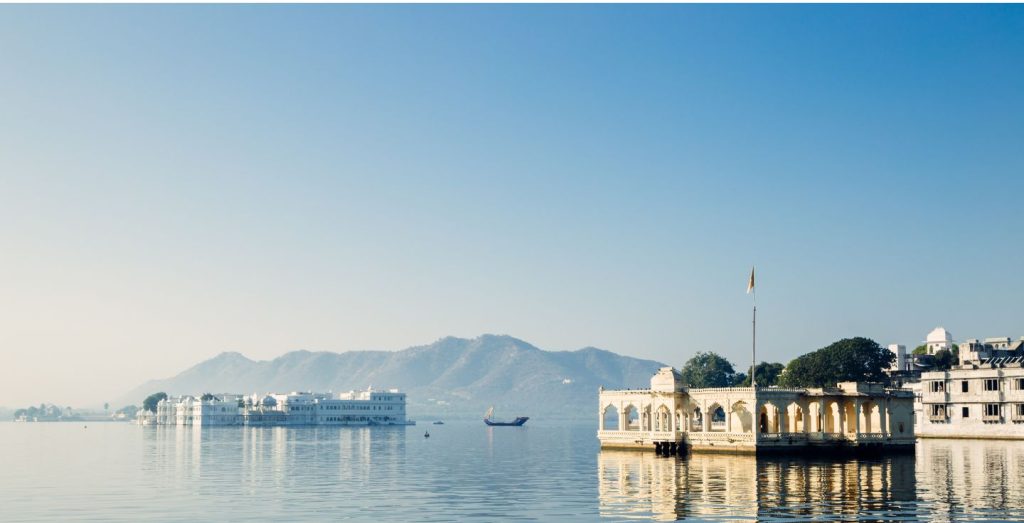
x=452 y=377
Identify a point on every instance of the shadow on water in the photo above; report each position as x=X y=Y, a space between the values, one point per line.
x=944 y=481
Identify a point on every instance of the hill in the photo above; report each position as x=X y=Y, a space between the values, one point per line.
x=452 y=377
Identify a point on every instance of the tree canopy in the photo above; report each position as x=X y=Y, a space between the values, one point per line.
x=767 y=374
x=150 y=402
x=850 y=359
x=707 y=369
x=919 y=350
x=945 y=359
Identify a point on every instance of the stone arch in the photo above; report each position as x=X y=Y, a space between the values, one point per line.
x=871 y=417
x=610 y=418
x=697 y=421
x=850 y=416
x=742 y=417
x=768 y=419
x=645 y=418
x=796 y=419
x=631 y=416
x=833 y=416
x=813 y=421
x=716 y=417
x=663 y=419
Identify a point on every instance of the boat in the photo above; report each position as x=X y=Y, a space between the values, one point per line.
x=438 y=422
x=426 y=434
x=489 y=420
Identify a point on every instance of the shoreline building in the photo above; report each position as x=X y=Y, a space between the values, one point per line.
x=670 y=417
x=369 y=407
x=982 y=397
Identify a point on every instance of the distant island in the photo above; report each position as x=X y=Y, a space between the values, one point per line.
x=46 y=412
x=451 y=378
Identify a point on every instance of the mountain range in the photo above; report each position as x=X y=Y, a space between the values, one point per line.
x=452 y=377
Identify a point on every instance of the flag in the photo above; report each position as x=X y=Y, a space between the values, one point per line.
x=750 y=286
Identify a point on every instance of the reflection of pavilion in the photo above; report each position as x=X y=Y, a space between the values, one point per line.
x=635 y=484
x=744 y=419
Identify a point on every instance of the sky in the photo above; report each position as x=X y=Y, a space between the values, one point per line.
x=179 y=181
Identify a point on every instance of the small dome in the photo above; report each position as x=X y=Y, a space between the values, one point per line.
x=269 y=401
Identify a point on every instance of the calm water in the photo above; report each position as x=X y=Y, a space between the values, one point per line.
x=466 y=471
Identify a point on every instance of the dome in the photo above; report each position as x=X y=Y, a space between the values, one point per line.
x=939 y=335
x=269 y=401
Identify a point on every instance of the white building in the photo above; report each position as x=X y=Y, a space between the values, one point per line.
x=982 y=397
x=369 y=407
x=939 y=338
x=668 y=417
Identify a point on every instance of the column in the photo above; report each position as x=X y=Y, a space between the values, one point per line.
x=856 y=415
x=841 y=415
x=883 y=418
x=821 y=414
x=728 y=415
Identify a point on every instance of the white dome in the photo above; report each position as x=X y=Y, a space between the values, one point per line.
x=939 y=335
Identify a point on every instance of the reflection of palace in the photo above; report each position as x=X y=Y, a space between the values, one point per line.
x=745 y=419
x=642 y=485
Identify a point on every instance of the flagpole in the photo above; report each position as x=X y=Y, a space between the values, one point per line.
x=753 y=343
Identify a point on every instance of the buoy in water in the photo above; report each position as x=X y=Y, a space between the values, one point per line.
x=426 y=434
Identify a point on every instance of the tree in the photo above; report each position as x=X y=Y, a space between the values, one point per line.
x=707 y=369
x=850 y=359
x=207 y=397
x=919 y=350
x=767 y=374
x=150 y=402
x=106 y=407
x=945 y=359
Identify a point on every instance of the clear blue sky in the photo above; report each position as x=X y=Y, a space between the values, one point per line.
x=176 y=181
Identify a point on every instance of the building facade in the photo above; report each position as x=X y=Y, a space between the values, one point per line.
x=745 y=419
x=369 y=407
x=982 y=397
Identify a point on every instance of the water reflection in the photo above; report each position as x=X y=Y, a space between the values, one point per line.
x=735 y=487
x=972 y=478
x=947 y=480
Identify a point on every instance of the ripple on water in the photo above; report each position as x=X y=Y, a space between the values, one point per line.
x=466 y=471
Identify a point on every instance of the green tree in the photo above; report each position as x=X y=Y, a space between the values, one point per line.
x=106 y=407
x=850 y=359
x=707 y=369
x=945 y=359
x=767 y=374
x=150 y=402
x=919 y=350
x=207 y=397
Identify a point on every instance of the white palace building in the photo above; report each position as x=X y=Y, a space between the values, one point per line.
x=671 y=418
x=981 y=397
x=369 y=407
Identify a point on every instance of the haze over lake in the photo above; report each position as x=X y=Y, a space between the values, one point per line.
x=543 y=471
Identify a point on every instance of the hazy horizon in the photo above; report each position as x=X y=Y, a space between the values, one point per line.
x=177 y=181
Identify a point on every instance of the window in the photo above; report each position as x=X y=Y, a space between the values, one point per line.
x=1020 y=383
x=963 y=386
x=991 y=384
x=965 y=412
x=992 y=409
x=938 y=386
x=938 y=410
x=1020 y=410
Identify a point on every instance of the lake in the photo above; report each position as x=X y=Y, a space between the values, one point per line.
x=467 y=471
